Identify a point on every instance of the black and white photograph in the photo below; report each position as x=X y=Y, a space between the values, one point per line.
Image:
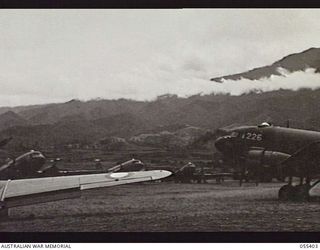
x=159 y=120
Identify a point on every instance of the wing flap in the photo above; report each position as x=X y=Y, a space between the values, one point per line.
x=113 y=183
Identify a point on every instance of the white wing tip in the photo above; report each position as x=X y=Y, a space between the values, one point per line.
x=160 y=174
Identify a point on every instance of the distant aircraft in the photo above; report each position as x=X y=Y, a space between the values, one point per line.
x=284 y=152
x=5 y=142
x=32 y=165
x=189 y=173
x=131 y=165
x=26 y=180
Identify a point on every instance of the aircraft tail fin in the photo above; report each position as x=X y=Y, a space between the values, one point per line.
x=5 y=142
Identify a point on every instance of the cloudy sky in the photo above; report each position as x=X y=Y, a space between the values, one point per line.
x=57 y=55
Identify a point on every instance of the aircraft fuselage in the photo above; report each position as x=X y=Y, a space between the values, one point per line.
x=279 y=139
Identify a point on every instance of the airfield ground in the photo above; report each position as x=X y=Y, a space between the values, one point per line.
x=151 y=207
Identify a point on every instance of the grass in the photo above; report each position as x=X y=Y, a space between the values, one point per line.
x=152 y=207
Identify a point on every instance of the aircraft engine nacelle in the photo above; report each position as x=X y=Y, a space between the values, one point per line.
x=264 y=163
x=265 y=158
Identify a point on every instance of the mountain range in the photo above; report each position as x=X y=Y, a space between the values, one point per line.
x=168 y=121
x=295 y=62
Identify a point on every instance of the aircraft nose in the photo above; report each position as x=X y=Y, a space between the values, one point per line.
x=40 y=159
x=223 y=143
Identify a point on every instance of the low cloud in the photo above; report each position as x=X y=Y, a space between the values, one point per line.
x=293 y=81
x=55 y=56
x=188 y=83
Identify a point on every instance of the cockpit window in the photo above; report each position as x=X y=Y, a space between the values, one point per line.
x=234 y=134
x=264 y=124
x=35 y=154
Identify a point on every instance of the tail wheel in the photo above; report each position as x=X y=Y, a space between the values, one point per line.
x=286 y=193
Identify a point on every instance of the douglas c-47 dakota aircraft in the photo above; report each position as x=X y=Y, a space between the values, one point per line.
x=26 y=180
x=286 y=152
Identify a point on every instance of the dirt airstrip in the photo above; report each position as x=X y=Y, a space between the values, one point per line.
x=153 y=207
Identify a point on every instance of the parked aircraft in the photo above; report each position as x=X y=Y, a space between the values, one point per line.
x=286 y=152
x=191 y=173
x=5 y=142
x=32 y=165
x=27 y=180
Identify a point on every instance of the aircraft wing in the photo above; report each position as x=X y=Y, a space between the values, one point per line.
x=304 y=162
x=28 y=190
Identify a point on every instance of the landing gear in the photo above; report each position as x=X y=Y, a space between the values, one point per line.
x=301 y=192
x=295 y=193
x=286 y=192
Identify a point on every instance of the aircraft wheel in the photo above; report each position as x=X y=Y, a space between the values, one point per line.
x=286 y=193
x=301 y=193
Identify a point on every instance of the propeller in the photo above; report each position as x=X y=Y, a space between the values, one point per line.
x=208 y=136
x=243 y=171
x=288 y=124
x=239 y=155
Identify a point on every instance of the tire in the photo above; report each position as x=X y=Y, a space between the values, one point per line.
x=286 y=193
